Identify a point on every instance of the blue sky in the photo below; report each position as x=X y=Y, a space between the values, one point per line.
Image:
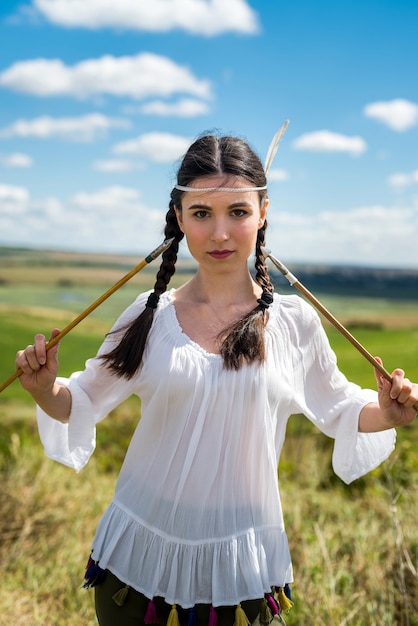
x=99 y=99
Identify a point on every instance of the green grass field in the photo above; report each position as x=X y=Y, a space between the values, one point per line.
x=355 y=548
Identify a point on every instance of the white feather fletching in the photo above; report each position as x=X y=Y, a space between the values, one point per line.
x=274 y=146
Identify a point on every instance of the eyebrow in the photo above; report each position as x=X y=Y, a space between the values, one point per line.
x=234 y=205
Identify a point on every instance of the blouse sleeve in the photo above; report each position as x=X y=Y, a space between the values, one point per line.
x=94 y=393
x=333 y=403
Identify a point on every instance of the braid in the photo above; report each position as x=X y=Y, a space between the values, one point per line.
x=244 y=341
x=262 y=277
x=126 y=357
x=169 y=258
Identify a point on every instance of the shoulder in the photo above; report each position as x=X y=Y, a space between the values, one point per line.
x=135 y=309
x=138 y=305
x=293 y=308
x=294 y=322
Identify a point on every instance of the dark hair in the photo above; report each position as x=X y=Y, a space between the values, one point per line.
x=243 y=341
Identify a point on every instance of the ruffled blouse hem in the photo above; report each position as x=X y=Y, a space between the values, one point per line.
x=220 y=572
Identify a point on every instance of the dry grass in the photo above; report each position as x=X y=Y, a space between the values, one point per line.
x=48 y=519
x=355 y=549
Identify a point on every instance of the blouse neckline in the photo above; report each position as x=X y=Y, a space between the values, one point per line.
x=175 y=325
x=177 y=328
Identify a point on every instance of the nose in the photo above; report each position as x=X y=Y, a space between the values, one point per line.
x=220 y=230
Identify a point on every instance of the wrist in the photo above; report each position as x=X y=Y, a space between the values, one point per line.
x=372 y=419
x=55 y=401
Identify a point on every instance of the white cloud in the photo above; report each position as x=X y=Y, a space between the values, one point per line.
x=199 y=17
x=327 y=141
x=112 y=219
x=13 y=203
x=398 y=114
x=84 y=128
x=141 y=76
x=186 y=107
x=16 y=159
x=116 y=165
x=403 y=180
x=278 y=175
x=10 y=193
x=158 y=147
x=371 y=236
x=105 y=200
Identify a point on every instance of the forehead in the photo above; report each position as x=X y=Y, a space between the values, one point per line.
x=221 y=188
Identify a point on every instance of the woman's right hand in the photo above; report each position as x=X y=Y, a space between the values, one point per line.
x=39 y=365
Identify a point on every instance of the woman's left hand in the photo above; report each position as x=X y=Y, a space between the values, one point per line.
x=396 y=398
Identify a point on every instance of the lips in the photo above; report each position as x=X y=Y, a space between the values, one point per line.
x=220 y=254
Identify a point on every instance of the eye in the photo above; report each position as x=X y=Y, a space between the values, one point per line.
x=201 y=214
x=239 y=212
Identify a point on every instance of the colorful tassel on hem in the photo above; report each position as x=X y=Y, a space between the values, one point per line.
x=266 y=615
x=273 y=606
x=120 y=596
x=192 y=619
x=94 y=574
x=213 y=616
x=150 y=616
x=285 y=602
x=240 y=617
x=173 y=618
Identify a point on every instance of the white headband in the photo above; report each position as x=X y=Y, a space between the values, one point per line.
x=271 y=152
x=206 y=189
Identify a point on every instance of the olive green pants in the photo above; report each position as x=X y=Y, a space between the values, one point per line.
x=132 y=612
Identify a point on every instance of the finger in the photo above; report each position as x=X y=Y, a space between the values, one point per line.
x=22 y=362
x=398 y=382
x=32 y=358
x=381 y=381
x=383 y=386
x=40 y=348
x=26 y=360
x=407 y=395
x=53 y=351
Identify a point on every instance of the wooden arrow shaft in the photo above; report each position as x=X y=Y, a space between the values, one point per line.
x=318 y=305
x=52 y=342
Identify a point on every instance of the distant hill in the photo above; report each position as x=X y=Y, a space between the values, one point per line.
x=392 y=284
x=398 y=284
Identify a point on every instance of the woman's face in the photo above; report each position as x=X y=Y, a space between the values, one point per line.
x=221 y=226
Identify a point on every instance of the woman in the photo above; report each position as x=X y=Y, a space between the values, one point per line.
x=195 y=529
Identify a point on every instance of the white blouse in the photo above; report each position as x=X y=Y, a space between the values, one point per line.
x=196 y=515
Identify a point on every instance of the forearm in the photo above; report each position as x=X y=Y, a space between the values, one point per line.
x=56 y=402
